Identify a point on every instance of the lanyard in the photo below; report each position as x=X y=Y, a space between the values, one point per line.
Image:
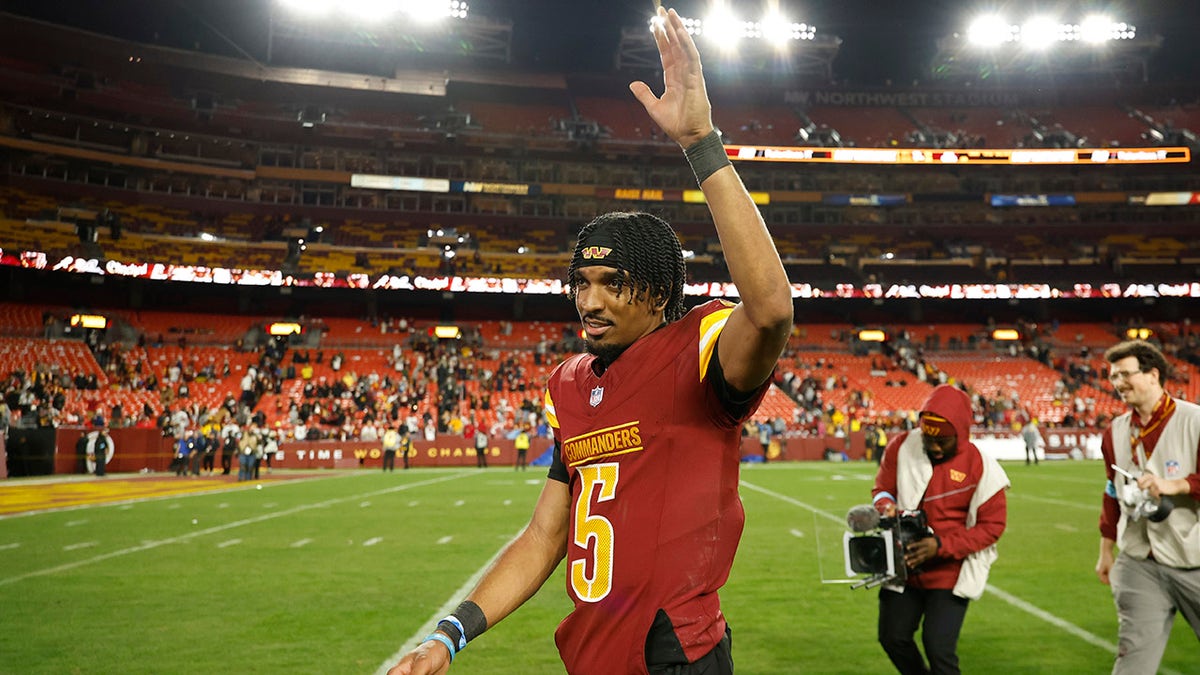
x=1162 y=412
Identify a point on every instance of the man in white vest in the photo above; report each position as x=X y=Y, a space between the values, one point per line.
x=936 y=469
x=1150 y=509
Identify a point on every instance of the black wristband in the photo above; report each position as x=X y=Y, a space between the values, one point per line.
x=707 y=156
x=471 y=617
x=450 y=628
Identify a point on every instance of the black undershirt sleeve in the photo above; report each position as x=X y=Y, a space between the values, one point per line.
x=558 y=470
x=736 y=402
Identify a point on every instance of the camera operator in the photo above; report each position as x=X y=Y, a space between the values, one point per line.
x=1149 y=508
x=936 y=469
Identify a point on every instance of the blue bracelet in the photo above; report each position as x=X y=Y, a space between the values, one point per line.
x=444 y=640
x=462 y=633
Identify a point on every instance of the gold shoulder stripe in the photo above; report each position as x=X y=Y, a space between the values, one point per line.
x=710 y=328
x=551 y=413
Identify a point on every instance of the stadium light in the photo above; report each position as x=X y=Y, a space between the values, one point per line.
x=722 y=27
x=372 y=11
x=309 y=7
x=1095 y=29
x=1043 y=32
x=990 y=31
x=1040 y=33
x=376 y=11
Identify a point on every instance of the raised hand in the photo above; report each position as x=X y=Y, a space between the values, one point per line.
x=683 y=111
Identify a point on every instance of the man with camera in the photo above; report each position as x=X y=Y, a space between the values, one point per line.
x=936 y=470
x=1150 y=508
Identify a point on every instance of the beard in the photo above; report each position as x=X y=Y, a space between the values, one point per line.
x=946 y=457
x=605 y=354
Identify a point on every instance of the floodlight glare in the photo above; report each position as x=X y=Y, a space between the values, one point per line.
x=425 y=11
x=723 y=28
x=370 y=10
x=726 y=29
x=989 y=31
x=1039 y=33
x=309 y=7
x=1095 y=29
x=777 y=30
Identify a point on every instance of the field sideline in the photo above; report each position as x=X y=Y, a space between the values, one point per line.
x=339 y=571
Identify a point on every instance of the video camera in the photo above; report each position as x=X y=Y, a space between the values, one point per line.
x=1137 y=503
x=875 y=544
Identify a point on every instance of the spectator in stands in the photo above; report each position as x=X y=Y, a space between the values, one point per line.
x=652 y=603
x=1157 y=572
x=927 y=470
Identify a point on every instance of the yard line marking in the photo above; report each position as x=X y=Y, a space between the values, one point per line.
x=231 y=542
x=445 y=540
x=797 y=533
x=82 y=544
x=442 y=611
x=73 y=523
x=8 y=547
x=1056 y=502
x=372 y=541
x=794 y=502
x=1038 y=612
x=1063 y=624
x=127 y=504
x=302 y=542
x=221 y=528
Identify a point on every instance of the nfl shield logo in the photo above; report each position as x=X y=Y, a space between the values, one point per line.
x=1172 y=465
x=597 y=396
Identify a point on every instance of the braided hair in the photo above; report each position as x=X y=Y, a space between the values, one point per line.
x=647 y=250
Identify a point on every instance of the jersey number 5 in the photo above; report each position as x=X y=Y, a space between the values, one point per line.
x=594 y=533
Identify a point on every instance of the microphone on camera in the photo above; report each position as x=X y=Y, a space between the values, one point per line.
x=862 y=518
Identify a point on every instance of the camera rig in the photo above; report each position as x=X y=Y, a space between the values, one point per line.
x=876 y=546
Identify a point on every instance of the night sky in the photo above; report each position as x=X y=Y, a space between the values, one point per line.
x=882 y=39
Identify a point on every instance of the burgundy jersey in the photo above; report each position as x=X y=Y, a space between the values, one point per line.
x=651 y=456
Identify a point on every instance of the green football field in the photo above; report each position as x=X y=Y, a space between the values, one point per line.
x=337 y=574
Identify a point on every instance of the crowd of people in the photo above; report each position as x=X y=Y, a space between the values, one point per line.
x=436 y=387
